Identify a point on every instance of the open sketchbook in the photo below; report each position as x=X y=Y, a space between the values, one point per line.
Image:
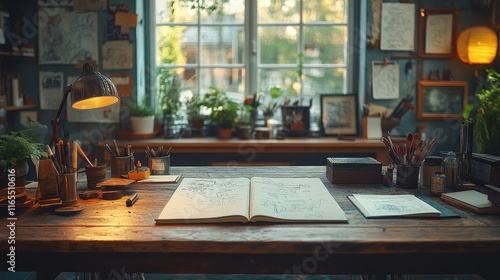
x=255 y=200
x=404 y=205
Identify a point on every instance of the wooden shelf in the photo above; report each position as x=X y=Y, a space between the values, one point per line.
x=15 y=55
x=20 y=108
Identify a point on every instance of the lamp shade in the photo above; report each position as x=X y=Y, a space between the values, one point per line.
x=93 y=90
x=477 y=45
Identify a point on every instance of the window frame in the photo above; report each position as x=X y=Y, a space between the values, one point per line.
x=251 y=63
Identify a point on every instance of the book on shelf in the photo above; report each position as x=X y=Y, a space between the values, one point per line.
x=471 y=200
x=288 y=200
x=400 y=205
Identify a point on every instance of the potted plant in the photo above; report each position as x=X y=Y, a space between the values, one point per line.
x=194 y=116
x=271 y=106
x=15 y=150
x=486 y=114
x=142 y=118
x=169 y=90
x=223 y=111
x=245 y=122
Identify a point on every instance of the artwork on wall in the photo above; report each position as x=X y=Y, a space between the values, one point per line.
x=51 y=90
x=438 y=100
x=437 y=33
x=118 y=55
x=66 y=37
x=53 y=3
x=385 y=80
x=339 y=114
x=397 y=27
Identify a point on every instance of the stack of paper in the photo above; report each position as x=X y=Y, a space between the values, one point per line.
x=471 y=200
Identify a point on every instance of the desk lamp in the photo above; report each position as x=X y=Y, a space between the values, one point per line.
x=91 y=90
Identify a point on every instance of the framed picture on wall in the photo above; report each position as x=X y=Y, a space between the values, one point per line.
x=339 y=114
x=437 y=33
x=438 y=100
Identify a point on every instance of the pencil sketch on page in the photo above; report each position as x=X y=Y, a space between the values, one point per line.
x=66 y=37
x=117 y=55
x=397 y=27
x=290 y=197
x=208 y=197
x=51 y=90
x=385 y=80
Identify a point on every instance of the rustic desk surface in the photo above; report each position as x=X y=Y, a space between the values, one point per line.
x=107 y=235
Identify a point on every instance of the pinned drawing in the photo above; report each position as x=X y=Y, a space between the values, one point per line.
x=51 y=90
x=398 y=27
x=66 y=37
x=385 y=80
x=117 y=55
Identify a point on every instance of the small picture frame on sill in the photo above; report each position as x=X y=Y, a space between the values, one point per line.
x=439 y=100
x=339 y=114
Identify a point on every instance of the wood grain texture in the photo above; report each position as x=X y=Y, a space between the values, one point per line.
x=108 y=235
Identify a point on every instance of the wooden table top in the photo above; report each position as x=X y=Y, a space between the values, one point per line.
x=108 y=235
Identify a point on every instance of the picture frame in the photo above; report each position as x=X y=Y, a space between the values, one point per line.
x=439 y=100
x=437 y=33
x=339 y=114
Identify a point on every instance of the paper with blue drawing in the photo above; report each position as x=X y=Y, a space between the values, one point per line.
x=213 y=200
x=404 y=205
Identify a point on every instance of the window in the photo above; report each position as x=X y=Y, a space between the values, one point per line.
x=300 y=46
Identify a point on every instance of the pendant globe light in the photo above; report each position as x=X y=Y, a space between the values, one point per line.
x=477 y=45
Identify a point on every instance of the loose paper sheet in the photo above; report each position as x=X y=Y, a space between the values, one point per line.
x=118 y=55
x=385 y=80
x=398 y=27
x=51 y=90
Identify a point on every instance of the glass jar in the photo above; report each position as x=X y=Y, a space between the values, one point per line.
x=430 y=165
x=438 y=183
x=450 y=169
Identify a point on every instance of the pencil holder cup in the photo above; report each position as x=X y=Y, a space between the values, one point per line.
x=121 y=166
x=95 y=174
x=407 y=176
x=66 y=184
x=159 y=165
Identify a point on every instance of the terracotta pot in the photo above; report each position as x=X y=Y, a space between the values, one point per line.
x=225 y=133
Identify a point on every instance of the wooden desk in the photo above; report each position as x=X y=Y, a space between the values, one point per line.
x=245 y=151
x=108 y=235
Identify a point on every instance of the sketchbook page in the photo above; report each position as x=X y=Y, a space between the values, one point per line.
x=392 y=206
x=208 y=200
x=292 y=200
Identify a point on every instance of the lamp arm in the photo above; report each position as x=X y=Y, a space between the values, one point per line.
x=55 y=121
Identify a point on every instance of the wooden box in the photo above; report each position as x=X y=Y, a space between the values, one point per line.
x=486 y=168
x=354 y=170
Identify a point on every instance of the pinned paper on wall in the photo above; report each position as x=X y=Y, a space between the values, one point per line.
x=125 y=21
x=118 y=55
x=123 y=84
x=385 y=80
x=398 y=27
x=51 y=90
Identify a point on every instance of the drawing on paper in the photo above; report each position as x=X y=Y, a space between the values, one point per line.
x=117 y=55
x=66 y=37
x=51 y=90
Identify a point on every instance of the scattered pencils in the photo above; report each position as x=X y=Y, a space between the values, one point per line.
x=411 y=152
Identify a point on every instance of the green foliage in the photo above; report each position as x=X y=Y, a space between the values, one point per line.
x=486 y=113
x=18 y=145
x=193 y=108
x=138 y=110
x=169 y=91
x=224 y=112
x=210 y=6
x=272 y=105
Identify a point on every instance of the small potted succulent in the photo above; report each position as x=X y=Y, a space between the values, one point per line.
x=142 y=118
